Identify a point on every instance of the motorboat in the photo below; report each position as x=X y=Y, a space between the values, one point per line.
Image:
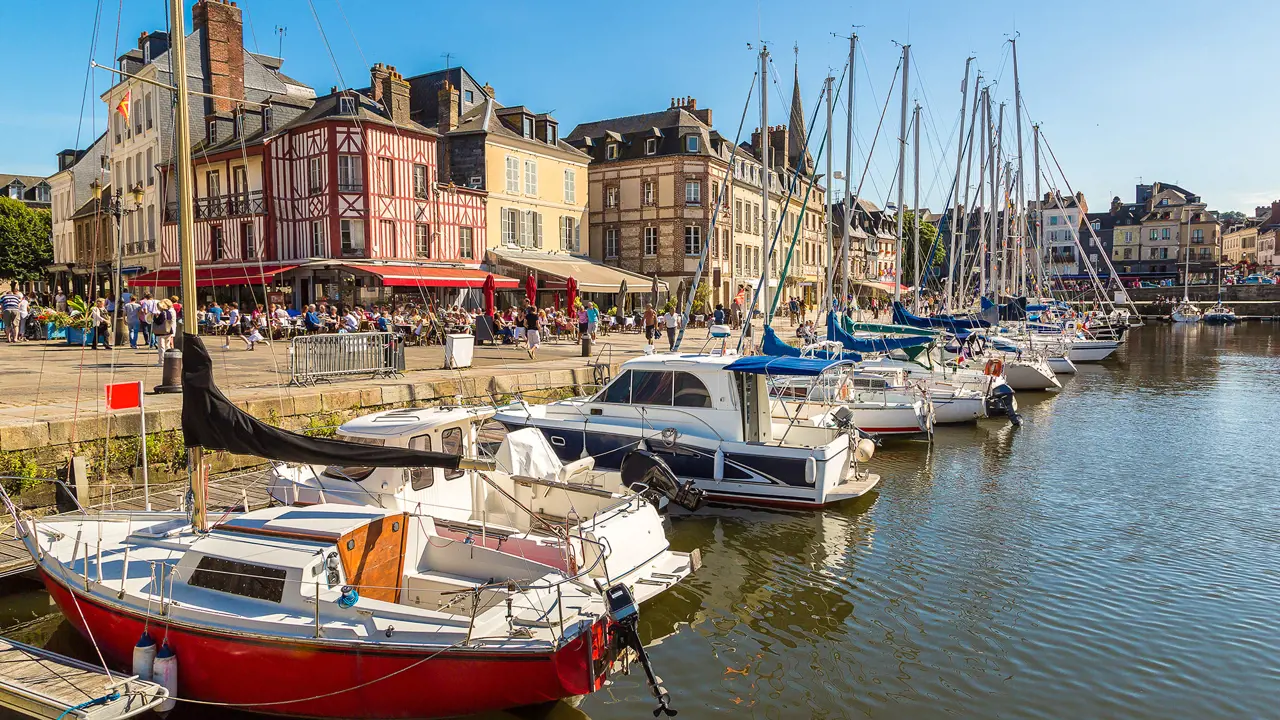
x=532 y=505
x=711 y=419
x=882 y=402
x=300 y=610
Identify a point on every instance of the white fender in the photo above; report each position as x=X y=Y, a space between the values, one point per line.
x=811 y=470
x=865 y=449
x=165 y=673
x=718 y=473
x=144 y=656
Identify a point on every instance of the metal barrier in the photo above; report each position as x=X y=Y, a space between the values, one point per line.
x=313 y=358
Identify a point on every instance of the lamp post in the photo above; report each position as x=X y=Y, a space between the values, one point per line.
x=114 y=206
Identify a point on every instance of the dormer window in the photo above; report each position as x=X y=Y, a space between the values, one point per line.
x=266 y=118
x=528 y=127
x=651 y=146
x=691 y=143
x=238 y=129
x=467 y=96
x=552 y=138
x=611 y=151
x=347 y=105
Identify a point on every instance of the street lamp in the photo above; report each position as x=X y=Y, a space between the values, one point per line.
x=115 y=207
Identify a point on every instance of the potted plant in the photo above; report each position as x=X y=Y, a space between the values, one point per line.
x=77 y=321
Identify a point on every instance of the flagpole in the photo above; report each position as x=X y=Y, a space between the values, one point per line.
x=142 y=424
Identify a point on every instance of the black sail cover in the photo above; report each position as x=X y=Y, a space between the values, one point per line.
x=211 y=421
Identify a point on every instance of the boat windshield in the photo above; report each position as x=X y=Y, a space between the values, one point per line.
x=354 y=473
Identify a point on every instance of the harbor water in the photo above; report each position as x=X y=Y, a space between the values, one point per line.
x=1115 y=556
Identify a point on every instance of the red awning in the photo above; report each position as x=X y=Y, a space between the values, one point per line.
x=425 y=276
x=210 y=276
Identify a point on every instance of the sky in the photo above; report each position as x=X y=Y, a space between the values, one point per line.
x=1126 y=91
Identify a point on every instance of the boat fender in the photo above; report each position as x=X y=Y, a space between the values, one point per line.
x=350 y=596
x=165 y=673
x=811 y=470
x=718 y=472
x=144 y=656
x=864 y=450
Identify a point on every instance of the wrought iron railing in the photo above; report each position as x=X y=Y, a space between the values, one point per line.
x=222 y=206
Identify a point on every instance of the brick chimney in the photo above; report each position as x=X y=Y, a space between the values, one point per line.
x=450 y=107
x=778 y=141
x=224 y=47
x=488 y=90
x=377 y=77
x=391 y=90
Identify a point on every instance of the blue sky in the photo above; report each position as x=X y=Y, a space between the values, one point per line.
x=1173 y=90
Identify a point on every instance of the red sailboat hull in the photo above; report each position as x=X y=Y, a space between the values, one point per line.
x=284 y=677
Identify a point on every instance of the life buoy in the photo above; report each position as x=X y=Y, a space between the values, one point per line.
x=993 y=367
x=844 y=391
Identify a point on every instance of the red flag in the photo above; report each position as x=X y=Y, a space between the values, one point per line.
x=123 y=107
x=122 y=396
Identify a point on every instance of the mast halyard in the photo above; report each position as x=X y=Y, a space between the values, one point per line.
x=186 y=254
x=849 y=199
x=902 y=168
x=915 y=208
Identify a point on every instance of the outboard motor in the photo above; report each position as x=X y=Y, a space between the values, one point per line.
x=649 y=475
x=1000 y=401
x=626 y=631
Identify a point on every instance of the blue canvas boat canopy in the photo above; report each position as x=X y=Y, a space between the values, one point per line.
x=770 y=365
x=773 y=345
x=871 y=344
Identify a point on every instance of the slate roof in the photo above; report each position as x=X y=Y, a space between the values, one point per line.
x=366 y=111
x=29 y=181
x=669 y=127
x=484 y=118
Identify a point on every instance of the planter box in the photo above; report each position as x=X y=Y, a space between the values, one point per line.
x=78 y=336
x=54 y=333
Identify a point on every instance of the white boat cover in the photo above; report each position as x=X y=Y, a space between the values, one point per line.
x=526 y=453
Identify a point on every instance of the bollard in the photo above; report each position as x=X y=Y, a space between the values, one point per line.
x=171 y=380
x=586 y=345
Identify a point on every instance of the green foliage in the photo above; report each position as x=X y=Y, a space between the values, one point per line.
x=1231 y=216
x=669 y=306
x=702 y=298
x=26 y=244
x=928 y=237
x=20 y=471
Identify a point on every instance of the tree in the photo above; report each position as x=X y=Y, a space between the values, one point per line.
x=928 y=237
x=26 y=247
x=702 y=298
x=1231 y=217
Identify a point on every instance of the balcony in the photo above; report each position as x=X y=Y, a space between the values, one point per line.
x=347 y=187
x=221 y=206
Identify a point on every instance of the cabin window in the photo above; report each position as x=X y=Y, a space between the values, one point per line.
x=451 y=443
x=239 y=578
x=690 y=391
x=619 y=391
x=650 y=387
x=354 y=473
x=421 y=478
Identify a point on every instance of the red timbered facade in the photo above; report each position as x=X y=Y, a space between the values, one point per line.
x=341 y=182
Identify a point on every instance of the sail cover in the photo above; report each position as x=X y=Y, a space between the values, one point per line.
x=210 y=420
x=871 y=344
x=948 y=322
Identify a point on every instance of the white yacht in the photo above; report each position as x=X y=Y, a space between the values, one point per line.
x=712 y=420
x=883 y=402
x=1186 y=312
x=532 y=506
x=958 y=395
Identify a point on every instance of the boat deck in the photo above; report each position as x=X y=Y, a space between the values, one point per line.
x=44 y=684
x=227 y=493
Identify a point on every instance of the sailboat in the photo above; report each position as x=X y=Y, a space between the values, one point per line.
x=1220 y=314
x=1185 y=311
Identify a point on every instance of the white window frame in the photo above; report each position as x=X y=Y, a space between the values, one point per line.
x=610 y=243
x=420 y=180
x=646 y=192
x=351 y=233
x=651 y=241
x=315 y=175
x=611 y=196
x=691 y=143
x=350 y=167
x=692 y=234
x=692 y=192
x=466 y=242
x=570 y=185
x=510 y=226
x=317 y=239
x=611 y=151
x=422 y=241
x=651 y=146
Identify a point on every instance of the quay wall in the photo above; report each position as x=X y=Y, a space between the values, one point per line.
x=34 y=450
x=1248 y=301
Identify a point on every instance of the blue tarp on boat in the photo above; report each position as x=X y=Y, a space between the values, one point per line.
x=947 y=322
x=1015 y=309
x=865 y=345
x=771 y=365
x=773 y=345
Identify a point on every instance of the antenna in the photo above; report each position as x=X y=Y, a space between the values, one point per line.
x=447 y=57
x=281 y=30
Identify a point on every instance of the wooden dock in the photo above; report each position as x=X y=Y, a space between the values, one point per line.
x=226 y=493
x=44 y=684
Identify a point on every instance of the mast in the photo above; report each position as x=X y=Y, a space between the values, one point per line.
x=997 y=202
x=963 y=282
x=1038 y=241
x=765 y=249
x=1186 y=262
x=186 y=234
x=990 y=180
x=829 y=305
x=902 y=168
x=956 y=206
x=1021 y=206
x=845 y=270
x=980 y=257
x=915 y=206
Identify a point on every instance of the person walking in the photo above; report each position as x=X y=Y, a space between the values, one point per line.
x=24 y=312
x=593 y=319
x=233 y=324
x=532 y=333
x=9 y=304
x=133 y=318
x=650 y=325
x=671 y=321
x=793 y=308
x=163 y=324
x=98 y=320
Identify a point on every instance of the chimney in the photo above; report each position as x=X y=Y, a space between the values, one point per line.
x=142 y=40
x=377 y=74
x=755 y=143
x=393 y=93
x=778 y=142
x=488 y=90
x=450 y=105
x=224 y=49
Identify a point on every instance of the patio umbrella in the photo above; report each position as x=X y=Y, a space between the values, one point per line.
x=622 y=296
x=488 y=289
x=531 y=289
x=571 y=288
x=654 y=290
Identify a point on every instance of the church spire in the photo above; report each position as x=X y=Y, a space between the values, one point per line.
x=797 y=136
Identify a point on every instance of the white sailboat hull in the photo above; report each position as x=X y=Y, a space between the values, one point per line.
x=1061 y=365
x=1091 y=350
x=1030 y=374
